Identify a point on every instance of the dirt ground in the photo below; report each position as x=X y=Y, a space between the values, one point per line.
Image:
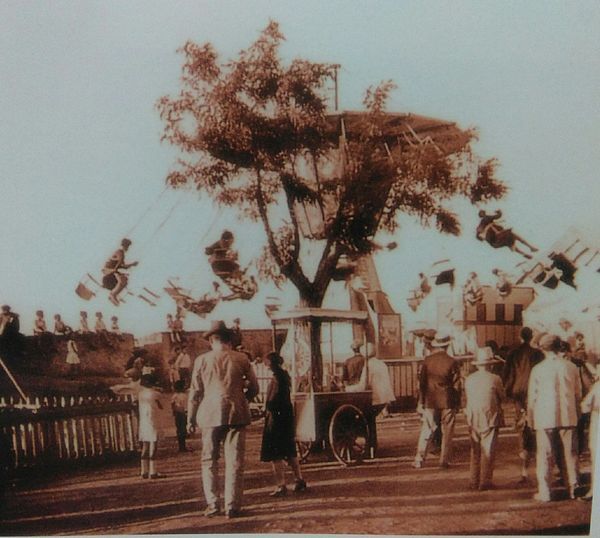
x=382 y=496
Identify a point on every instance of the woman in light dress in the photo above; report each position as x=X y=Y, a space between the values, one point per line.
x=149 y=406
x=72 y=356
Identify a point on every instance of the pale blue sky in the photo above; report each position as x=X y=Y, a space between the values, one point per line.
x=81 y=157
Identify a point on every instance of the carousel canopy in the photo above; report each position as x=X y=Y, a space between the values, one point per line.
x=405 y=129
x=322 y=314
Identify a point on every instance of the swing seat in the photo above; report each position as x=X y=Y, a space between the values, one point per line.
x=504 y=290
x=201 y=308
x=109 y=281
x=499 y=238
x=552 y=282
x=224 y=267
x=84 y=292
x=413 y=303
x=568 y=268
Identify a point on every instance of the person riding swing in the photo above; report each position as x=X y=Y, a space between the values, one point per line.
x=497 y=236
x=503 y=285
x=113 y=279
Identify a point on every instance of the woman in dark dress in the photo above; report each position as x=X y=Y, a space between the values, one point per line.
x=278 y=442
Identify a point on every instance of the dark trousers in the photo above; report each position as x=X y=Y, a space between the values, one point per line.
x=180 y=425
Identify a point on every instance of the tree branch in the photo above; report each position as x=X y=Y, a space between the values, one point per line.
x=290 y=269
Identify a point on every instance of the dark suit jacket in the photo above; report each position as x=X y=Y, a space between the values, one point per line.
x=517 y=369
x=439 y=381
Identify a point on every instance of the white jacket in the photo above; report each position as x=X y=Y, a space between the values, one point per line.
x=484 y=392
x=554 y=394
x=379 y=382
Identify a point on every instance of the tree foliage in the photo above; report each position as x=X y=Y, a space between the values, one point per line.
x=250 y=127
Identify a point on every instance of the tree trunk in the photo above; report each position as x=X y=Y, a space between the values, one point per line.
x=316 y=358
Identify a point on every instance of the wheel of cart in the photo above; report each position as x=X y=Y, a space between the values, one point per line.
x=327 y=418
x=349 y=434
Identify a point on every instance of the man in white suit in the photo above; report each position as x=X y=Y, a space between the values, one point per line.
x=222 y=383
x=553 y=402
x=484 y=393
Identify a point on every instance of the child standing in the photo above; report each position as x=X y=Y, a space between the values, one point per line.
x=72 y=356
x=149 y=403
x=179 y=407
x=484 y=392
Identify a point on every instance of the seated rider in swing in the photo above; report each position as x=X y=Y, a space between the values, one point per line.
x=503 y=285
x=472 y=290
x=213 y=296
x=113 y=279
x=222 y=247
x=497 y=236
x=424 y=287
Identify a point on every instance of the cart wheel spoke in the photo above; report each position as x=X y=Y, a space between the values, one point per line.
x=348 y=434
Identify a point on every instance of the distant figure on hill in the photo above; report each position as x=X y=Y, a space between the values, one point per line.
x=39 y=324
x=113 y=279
x=60 y=327
x=83 y=323
x=42 y=336
x=100 y=326
x=11 y=343
x=9 y=321
x=114 y=325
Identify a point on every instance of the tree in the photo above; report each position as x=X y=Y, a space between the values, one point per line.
x=257 y=136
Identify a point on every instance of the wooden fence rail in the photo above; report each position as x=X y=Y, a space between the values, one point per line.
x=51 y=430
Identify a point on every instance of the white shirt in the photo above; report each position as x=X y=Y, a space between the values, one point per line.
x=183 y=361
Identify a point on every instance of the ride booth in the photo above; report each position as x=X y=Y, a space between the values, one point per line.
x=497 y=318
x=327 y=418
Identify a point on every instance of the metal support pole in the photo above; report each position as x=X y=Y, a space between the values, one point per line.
x=335 y=85
x=11 y=377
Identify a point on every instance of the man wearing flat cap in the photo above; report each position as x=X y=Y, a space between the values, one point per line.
x=439 y=399
x=223 y=382
x=553 y=401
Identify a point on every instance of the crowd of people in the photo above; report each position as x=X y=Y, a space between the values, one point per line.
x=550 y=381
x=554 y=390
x=553 y=393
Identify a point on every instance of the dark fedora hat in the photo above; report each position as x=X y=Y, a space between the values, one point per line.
x=219 y=328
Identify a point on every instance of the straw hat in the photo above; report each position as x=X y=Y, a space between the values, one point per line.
x=547 y=341
x=485 y=355
x=442 y=339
